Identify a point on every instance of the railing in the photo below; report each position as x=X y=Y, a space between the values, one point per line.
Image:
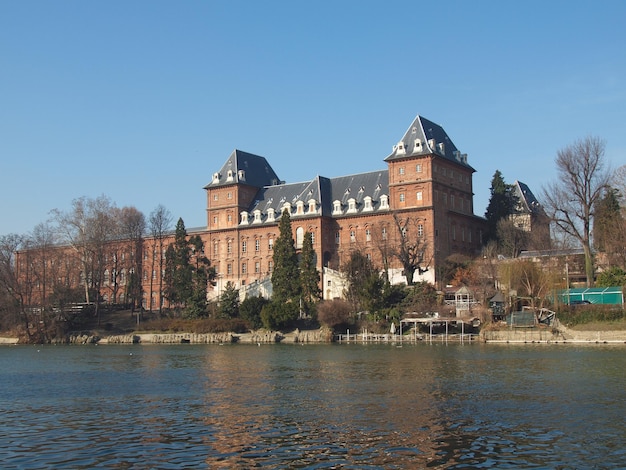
x=408 y=338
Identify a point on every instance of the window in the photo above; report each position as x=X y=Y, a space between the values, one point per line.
x=299 y=237
x=230 y=217
x=257 y=267
x=300 y=207
x=337 y=238
x=215 y=248
x=418 y=168
x=229 y=195
x=352 y=236
x=420 y=230
x=229 y=269
x=244 y=246
x=244 y=268
x=336 y=207
x=270 y=266
x=257 y=245
x=419 y=195
x=452 y=201
x=401 y=197
x=270 y=244
x=384 y=233
x=154 y=274
x=214 y=220
x=351 y=205
x=229 y=247
x=312 y=238
x=215 y=197
x=401 y=170
x=368 y=235
x=368 y=256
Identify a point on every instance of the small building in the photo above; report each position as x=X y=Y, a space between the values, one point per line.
x=592 y=295
x=497 y=305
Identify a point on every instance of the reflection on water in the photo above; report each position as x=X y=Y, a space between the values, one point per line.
x=313 y=406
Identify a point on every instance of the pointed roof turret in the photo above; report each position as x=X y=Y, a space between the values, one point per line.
x=424 y=137
x=245 y=168
x=527 y=202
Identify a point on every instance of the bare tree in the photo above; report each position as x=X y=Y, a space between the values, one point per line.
x=159 y=222
x=89 y=227
x=132 y=225
x=618 y=181
x=13 y=286
x=570 y=200
x=411 y=247
x=41 y=244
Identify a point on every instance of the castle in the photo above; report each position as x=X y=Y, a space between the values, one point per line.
x=423 y=199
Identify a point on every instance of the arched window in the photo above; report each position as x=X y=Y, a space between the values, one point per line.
x=299 y=237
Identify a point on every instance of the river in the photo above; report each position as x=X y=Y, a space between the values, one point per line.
x=313 y=406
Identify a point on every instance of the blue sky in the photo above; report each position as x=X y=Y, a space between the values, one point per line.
x=143 y=100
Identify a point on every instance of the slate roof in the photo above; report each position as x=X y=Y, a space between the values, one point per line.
x=424 y=137
x=253 y=170
x=528 y=203
x=256 y=171
x=325 y=191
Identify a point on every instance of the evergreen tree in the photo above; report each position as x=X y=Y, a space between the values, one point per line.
x=229 y=301
x=502 y=204
x=178 y=273
x=203 y=274
x=285 y=278
x=309 y=275
x=608 y=221
x=250 y=310
x=188 y=273
x=286 y=275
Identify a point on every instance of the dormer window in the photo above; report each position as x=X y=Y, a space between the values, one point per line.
x=241 y=174
x=216 y=178
x=367 y=203
x=271 y=215
x=300 y=208
x=336 y=207
x=400 y=150
x=257 y=217
x=384 y=202
x=351 y=205
x=229 y=175
x=286 y=207
x=312 y=206
x=244 y=217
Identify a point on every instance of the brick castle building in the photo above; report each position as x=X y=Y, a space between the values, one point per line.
x=425 y=194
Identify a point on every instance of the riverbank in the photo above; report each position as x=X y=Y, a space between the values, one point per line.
x=561 y=334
